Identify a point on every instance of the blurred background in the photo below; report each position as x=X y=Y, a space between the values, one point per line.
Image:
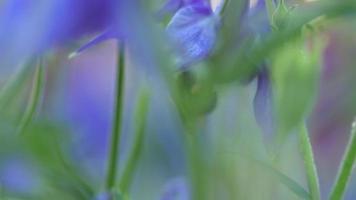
x=68 y=137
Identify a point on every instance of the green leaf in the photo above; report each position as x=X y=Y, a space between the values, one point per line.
x=43 y=143
x=13 y=86
x=292 y=185
x=33 y=102
x=137 y=146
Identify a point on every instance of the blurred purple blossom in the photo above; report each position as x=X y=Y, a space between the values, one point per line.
x=263 y=105
x=110 y=33
x=109 y=196
x=28 y=27
x=193 y=29
x=176 y=189
x=18 y=176
x=103 y=196
x=64 y=19
x=172 y=6
x=257 y=25
x=257 y=20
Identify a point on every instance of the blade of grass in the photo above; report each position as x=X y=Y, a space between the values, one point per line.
x=346 y=167
x=291 y=184
x=11 y=88
x=116 y=123
x=73 y=172
x=36 y=94
x=142 y=107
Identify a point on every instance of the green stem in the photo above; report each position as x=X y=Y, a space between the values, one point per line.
x=136 y=149
x=345 y=167
x=309 y=163
x=223 y=8
x=36 y=94
x=116 y=123
x=270 y=9
x=196 y=168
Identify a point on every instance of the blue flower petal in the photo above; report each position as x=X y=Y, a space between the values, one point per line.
x=263 y=104
x=172 y=6
x=258 y=21
x=193 y=29
x=176 y=189
x=106 y=35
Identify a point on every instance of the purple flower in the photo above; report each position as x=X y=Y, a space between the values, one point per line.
x=263 y=105
x=104 y=196
x=256 y=26
x=29 y=27
x=18 y=176
x=172 y=6
x=125 y=20
x=109 y=196
x=109 y=33
x=176 y=189
x=257 y=20
x=193 y=30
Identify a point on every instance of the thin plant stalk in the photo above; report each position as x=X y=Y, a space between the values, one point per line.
x=142 y=107
x=35 y=97
x=270 y=9
x=223 y=6
x=194 y=156
x=309 y=163
x=113 y=155
x=346 y=167
x=195 y=168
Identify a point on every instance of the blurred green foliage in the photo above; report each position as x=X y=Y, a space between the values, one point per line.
x=295 y=61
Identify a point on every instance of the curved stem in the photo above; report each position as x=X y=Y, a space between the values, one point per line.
x=309 y=163
x=36 y=94
x=116 y=123
x=136 y=149
x=345 y=167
